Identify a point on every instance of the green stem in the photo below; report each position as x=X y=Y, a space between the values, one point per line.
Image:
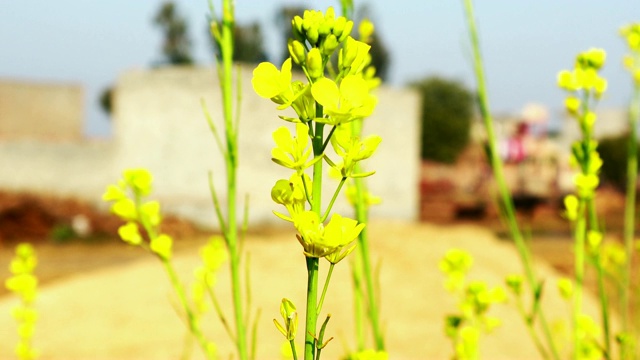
x=358 y=301
x=312 y=314
x=496 y=165
x=579 y=238
x=604 y=308
x=333 y=199
x=630 y=206
x=313 y=263
x=191 y=318
x=231 y=163
x=363 y=245
x=530 y=329
x=324 y=289
x=293 y=349
x=602 y=294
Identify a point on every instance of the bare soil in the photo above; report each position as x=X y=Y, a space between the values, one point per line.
x=101 y=299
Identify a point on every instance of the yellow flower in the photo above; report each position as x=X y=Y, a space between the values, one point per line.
x=349 y=102
x=125 y=209
x=354 y=56
x=320 y=241
x=161 y=246
x=139 y=180
x=351 y=149
x=129 y=233
x=565 y=287
x=586 y=184
x=365 y=30
x=271 y=83
x=292 y=194
x=292 y=152
x=114 y=193
x=369 y=354
x=571 y=204
x=572 y=104
x=369 y=198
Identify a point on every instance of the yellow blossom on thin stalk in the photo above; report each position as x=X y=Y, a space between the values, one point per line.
x=584 y=87
x=292 y=152
x=24 y=284
x=350 y=101
x=319 y=240
x=352 y=150
x=326 y=100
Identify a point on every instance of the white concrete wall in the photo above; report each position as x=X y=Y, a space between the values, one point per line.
x=159 y=124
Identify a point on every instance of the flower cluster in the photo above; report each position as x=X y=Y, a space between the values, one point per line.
x=631 y=33
x=335 y=95
x=128 y=203
x=584 y=85
x=24 y=283
x=474 y=301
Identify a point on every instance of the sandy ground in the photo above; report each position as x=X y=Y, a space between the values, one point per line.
x=123 y=310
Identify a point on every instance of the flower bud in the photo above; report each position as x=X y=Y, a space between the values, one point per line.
x=346 y=32
x=296 y=27
x=338 y=26
x=596 y=58
x=313 y=35
x=349 y=53
x=297 y=51
x=314 y=63
x=572 y=104
x=324 y=28
x=365 y=30
x=329 y=45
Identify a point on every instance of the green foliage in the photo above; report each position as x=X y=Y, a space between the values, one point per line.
x=62 y=233
x=176 y=47
x=446 y=110
x=106 y=100
x=613 y=151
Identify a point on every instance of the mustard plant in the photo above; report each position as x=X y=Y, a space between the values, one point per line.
x=631 y=34
x=364 y=286
x=24 y=284
x=584 y=87
x=142 y=228
x=222 y=32
x=534 y=285
x=326 y=100
x=474 y=300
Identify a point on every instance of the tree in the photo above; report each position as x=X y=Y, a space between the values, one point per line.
x=176 y=47
x=446 y=111
x=248 y=44
x=613 y=151
x=106 y=100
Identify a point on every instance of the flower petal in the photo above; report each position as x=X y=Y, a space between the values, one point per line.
x=326 y=93
x=265 y=80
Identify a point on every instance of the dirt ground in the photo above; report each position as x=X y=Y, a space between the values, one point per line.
x=109 y=301
x=102 y=299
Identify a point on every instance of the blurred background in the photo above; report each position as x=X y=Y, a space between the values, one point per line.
x=64 y=64
x=524 y=43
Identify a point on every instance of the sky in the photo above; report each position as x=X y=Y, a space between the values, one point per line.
x=524 y=43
